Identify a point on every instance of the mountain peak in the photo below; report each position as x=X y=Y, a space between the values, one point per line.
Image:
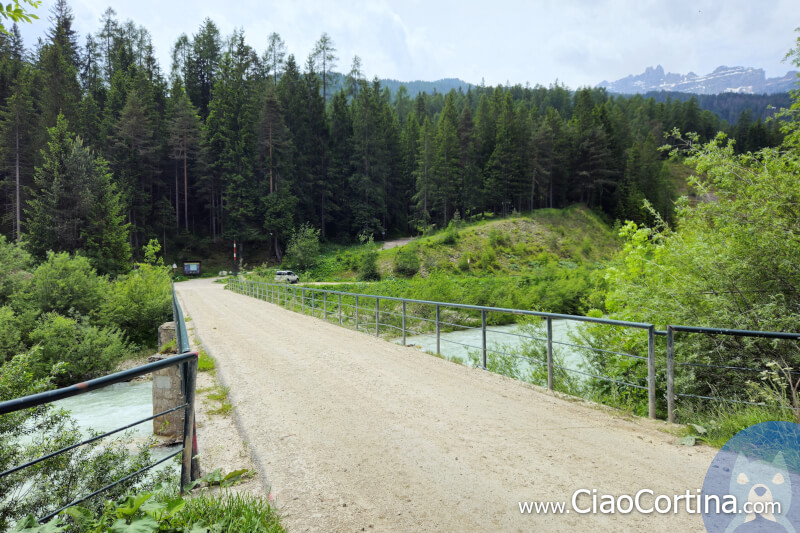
x=722 y=79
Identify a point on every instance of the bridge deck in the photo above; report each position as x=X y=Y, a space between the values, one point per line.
x=354 y=432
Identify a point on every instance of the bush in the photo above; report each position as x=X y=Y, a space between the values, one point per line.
x=86 y=350
x=450 y=235
x=303 y=250
x=65 y=285
x=14 y=269
x=497 y=238
x=60 y=480
x=406 y=262
x=368 y=266
x=10 y=337
x=140 y=302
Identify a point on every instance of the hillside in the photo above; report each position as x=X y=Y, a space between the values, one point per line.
x=512 y=246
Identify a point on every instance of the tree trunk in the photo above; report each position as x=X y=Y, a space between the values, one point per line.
x=185 y=191
x=213 y=212
x=177 y=201
x=16 y=164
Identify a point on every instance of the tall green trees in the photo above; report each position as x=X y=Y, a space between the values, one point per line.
x=184 y=139
x=76 y=206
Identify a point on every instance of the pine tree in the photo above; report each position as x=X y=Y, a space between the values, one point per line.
x=184 y=139
x=325 y=61
x=447 y=162
x=275 y=56
x=18 y=143
x=76 y=206
x=276 y=152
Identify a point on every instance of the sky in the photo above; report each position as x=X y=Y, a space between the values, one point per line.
x=574 y=42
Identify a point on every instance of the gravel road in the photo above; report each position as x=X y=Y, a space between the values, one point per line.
x=357 y=434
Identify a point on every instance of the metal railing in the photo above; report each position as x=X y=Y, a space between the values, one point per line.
x=352 y=313
x=188 y=369
x=357 y=311
x=670 y=333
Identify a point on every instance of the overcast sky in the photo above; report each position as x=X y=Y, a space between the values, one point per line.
x=578 y=42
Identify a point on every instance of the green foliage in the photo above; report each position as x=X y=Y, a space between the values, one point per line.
x=17 y=12
x=85 y=350
x=303 y=250
x=205 y=362
x=151 y=253
x=368 y=260
x=730 y=264
x=406 y=261
x=10 y=336
x=159 y=510
x=15 y=265
x=139 y=303
x=65 y=284
x=76 y=206
x=29 y=434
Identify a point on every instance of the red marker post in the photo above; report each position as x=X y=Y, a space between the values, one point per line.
x=235 y=266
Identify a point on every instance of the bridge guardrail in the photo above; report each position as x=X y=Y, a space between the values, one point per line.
x=352 y=313
x=188 y=368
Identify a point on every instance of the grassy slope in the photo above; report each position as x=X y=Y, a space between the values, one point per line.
x=544 y=261
x=573 y=235
x=507 y=247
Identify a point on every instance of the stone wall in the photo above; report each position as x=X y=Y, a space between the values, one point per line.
x=167 y=390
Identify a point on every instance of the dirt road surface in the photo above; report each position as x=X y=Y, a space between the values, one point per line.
x=354 y=433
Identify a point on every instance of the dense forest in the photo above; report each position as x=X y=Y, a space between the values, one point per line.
x=101 y=149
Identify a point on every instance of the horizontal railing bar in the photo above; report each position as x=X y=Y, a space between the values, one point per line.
x=41 y=398
x=578 y=318
x=126 y=478
x=87 y=441
x=742 y=402
x=738 y=332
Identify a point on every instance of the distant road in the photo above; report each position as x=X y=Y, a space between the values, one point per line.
x=355 y=432
x=396 y=242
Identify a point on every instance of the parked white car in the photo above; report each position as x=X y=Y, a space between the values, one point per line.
x=286 y=276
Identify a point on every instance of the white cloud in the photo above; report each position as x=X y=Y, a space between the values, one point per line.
x=579 y=42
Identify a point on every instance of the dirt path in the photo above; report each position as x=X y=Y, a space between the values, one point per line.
x=396 y=242
x=355 y=433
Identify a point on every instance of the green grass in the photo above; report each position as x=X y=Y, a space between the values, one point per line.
x=230 y=512
x=220 y=394
x=205 y=363
x=716 y=425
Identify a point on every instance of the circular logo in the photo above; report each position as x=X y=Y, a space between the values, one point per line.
x=753 y=484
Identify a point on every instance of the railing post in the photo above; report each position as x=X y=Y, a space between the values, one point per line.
x=313 y=301
x=404 y=322
x=483 y=335
x=550 y=353
x=303 y=298
x=325 y=305
x=670 y=375
x=651 y=370
x=340 y=309
x=438 y=332
x=189 y=371
x=377 y=317
x=356 y=312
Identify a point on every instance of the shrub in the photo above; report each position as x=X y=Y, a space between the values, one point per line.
x=86 y=350
x=450 y=235
x=406 y=262
x=14 y=265
x=497 y=238
x=140 y=302
x=302 y=252
x=65 y=285
x=60 y=480
x=10 y=337
x=368 y=266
